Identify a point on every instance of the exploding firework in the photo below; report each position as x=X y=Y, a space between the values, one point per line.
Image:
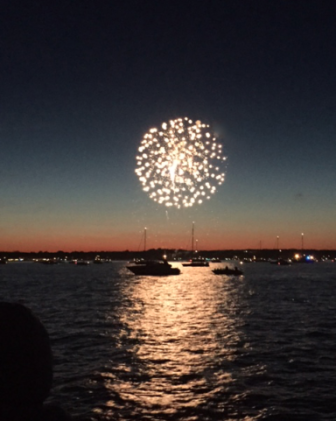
x=180 y=164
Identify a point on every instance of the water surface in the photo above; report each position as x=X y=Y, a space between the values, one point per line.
x=197 y=346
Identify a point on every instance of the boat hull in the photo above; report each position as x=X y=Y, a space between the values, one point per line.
x=227 y=272
x=196 y=264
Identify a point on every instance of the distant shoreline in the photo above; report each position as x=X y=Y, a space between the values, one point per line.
x=172 y=254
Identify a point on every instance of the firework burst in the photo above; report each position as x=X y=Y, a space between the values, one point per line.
x=180 y=164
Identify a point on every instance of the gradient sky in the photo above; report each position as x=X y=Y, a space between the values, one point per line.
x=82 y=81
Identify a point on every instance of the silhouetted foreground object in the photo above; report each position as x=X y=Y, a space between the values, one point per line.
x=25 y=367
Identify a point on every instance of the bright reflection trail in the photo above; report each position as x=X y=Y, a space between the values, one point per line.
x=181 y=334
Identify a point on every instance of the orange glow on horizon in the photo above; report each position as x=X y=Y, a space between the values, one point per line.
x=123 y=242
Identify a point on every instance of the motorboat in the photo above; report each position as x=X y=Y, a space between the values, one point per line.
x=49 y=262
x=82 y=262
x=196 y=261
x=227 y=271
x=155 y=268
x=138 y=261
x=281 y=262
x=304 y=259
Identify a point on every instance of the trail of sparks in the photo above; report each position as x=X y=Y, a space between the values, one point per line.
x=180 y=164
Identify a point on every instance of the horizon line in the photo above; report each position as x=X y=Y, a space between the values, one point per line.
x=171 y=250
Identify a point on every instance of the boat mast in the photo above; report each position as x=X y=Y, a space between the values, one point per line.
x=145 y=238
x=192 y=236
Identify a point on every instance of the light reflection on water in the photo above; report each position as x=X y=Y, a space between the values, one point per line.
x=182 y=330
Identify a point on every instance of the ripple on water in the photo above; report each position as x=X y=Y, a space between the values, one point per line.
x=194 y=346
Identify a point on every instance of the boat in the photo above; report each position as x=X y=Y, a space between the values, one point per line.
x=304 y=259
x=227 y=271
x=49 y=262
x=155 y=268
x=281 y=262
x=140 y=261
x=82 y=262
x=196 y=261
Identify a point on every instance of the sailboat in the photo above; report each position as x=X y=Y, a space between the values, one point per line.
x=141 y=260
x=196 y=260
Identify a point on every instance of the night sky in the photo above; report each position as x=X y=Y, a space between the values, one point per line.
x=82 y=81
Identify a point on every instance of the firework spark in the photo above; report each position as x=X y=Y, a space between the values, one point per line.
x=180 y=163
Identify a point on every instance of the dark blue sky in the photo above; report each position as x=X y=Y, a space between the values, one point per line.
x=82 y=81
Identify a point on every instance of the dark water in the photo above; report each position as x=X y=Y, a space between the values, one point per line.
x=190 y=347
